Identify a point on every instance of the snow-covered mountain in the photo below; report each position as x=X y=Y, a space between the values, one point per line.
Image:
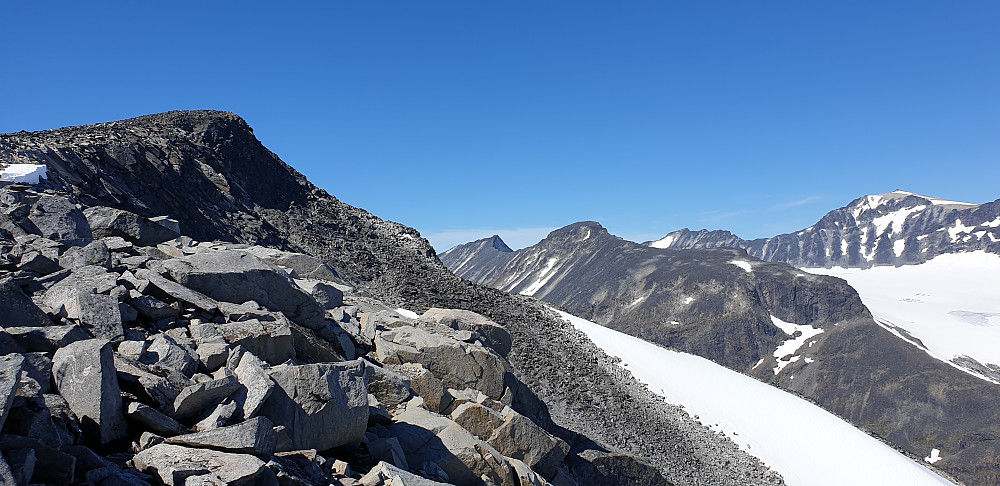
x=805 y=333
x=807 y=445
x=895 y=228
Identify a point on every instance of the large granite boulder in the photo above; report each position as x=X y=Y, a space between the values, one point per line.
x=56 y=218
x=176 y=465
x=496 y=336
x=84 y=374
x=233 y=276
x=459 y=365
x=321 y=406
x=17 y=309
x=105 y=221
x=431 y=441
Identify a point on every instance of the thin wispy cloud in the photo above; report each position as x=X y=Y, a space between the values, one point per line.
x=516 y=238
x=799 y=202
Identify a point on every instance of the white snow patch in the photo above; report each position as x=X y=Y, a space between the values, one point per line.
x=922 y=237
x=870 y=202
x=958 y=229
x=543 y=278
x=898 y=246
x=759 y=362
x=663 y=242
x=843 y=246
x=980 y=234
x=777 y=427
x=808 y=360
x=934 y=457
x=25 y=173
x=894 y=220
x=688 y=300
x=939 y=302
x=745 y=265
x=407 y=313
x=790 y=346
x=993 y=224
x=636 y=301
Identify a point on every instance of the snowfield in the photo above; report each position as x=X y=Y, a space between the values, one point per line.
x=806 y=444
x=951 y=303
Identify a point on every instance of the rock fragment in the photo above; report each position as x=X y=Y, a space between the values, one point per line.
x=84 y=374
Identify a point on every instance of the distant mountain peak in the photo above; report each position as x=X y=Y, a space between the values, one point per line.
x=498 y=244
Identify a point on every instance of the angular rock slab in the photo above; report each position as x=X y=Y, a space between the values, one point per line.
x=105 y=222
x=257 y=385
x=59 y=219
x=459 y=365
x=321 y=406
x=385 y=474
x=176 y=465
x=17 y=309
x=498 y=338
x=428 y=438
x=195 y=399
x=84 y=374
x=255 y=436
x=11 y=367
x=233 y=276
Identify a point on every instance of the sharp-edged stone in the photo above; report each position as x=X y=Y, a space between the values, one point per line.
x=84 y=374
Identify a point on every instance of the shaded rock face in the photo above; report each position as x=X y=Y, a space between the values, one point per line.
x=84 y=374
x=896 y=228
x=207 y=171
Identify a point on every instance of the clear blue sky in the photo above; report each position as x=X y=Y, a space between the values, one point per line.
x=466 y=118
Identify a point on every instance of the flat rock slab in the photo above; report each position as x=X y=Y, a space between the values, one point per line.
x=196 y=398
x=321 y=406
x=152 y=419
x=459 y=365
x=85 y=376
x=385 y=474
x=255 y=436
x=17 y=309
x=47 y=339
x=56 y=218
x=105 y=222
x=176 y=465
x=498 y=338
x=178 y=291
x=256 y=385
x=233 y=276
x=11 y=367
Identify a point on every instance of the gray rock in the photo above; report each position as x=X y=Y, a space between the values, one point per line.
x=38 y=367
x=520 y=438
x=300 y=468
x=38 y=262
x=153 y=309
x=101 y=315
x=176 y=465
x=340 y=338
x=424 y=383
x=271 y=341
x=95 y=253
x=178 y=291
x=194 y=399
x=428 y=438
x=256 y=385
x=481 y=421
x=524 y=475
x=151 y=419
x=496 y=336
x=132 y=349
x=389 y=387
x=22 y=464
x=322 y=406
x=388 y=450
x=212 y=355
x=255 y=436
x=47 y=339
x=385 y=474
x=84 y=374
x=62 y=299
x=52 y=466
x=166 y=352
x=223 y=414
x=11 y=367
x=162 y=385
x=105 y=222
x=238 y=277
x=459 y=365
x=17 y=309
x=326 y=295
x=56 y=218
x=305 y=266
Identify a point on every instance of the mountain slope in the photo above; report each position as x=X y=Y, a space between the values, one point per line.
x=805 y=333
x=896 y=228
x=207 y=170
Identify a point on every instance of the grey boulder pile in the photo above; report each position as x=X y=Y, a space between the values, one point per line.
x=133 y=355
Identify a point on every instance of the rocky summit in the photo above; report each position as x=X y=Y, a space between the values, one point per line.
x=178 y=306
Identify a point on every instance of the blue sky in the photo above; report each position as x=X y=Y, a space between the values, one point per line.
x=463 y=119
